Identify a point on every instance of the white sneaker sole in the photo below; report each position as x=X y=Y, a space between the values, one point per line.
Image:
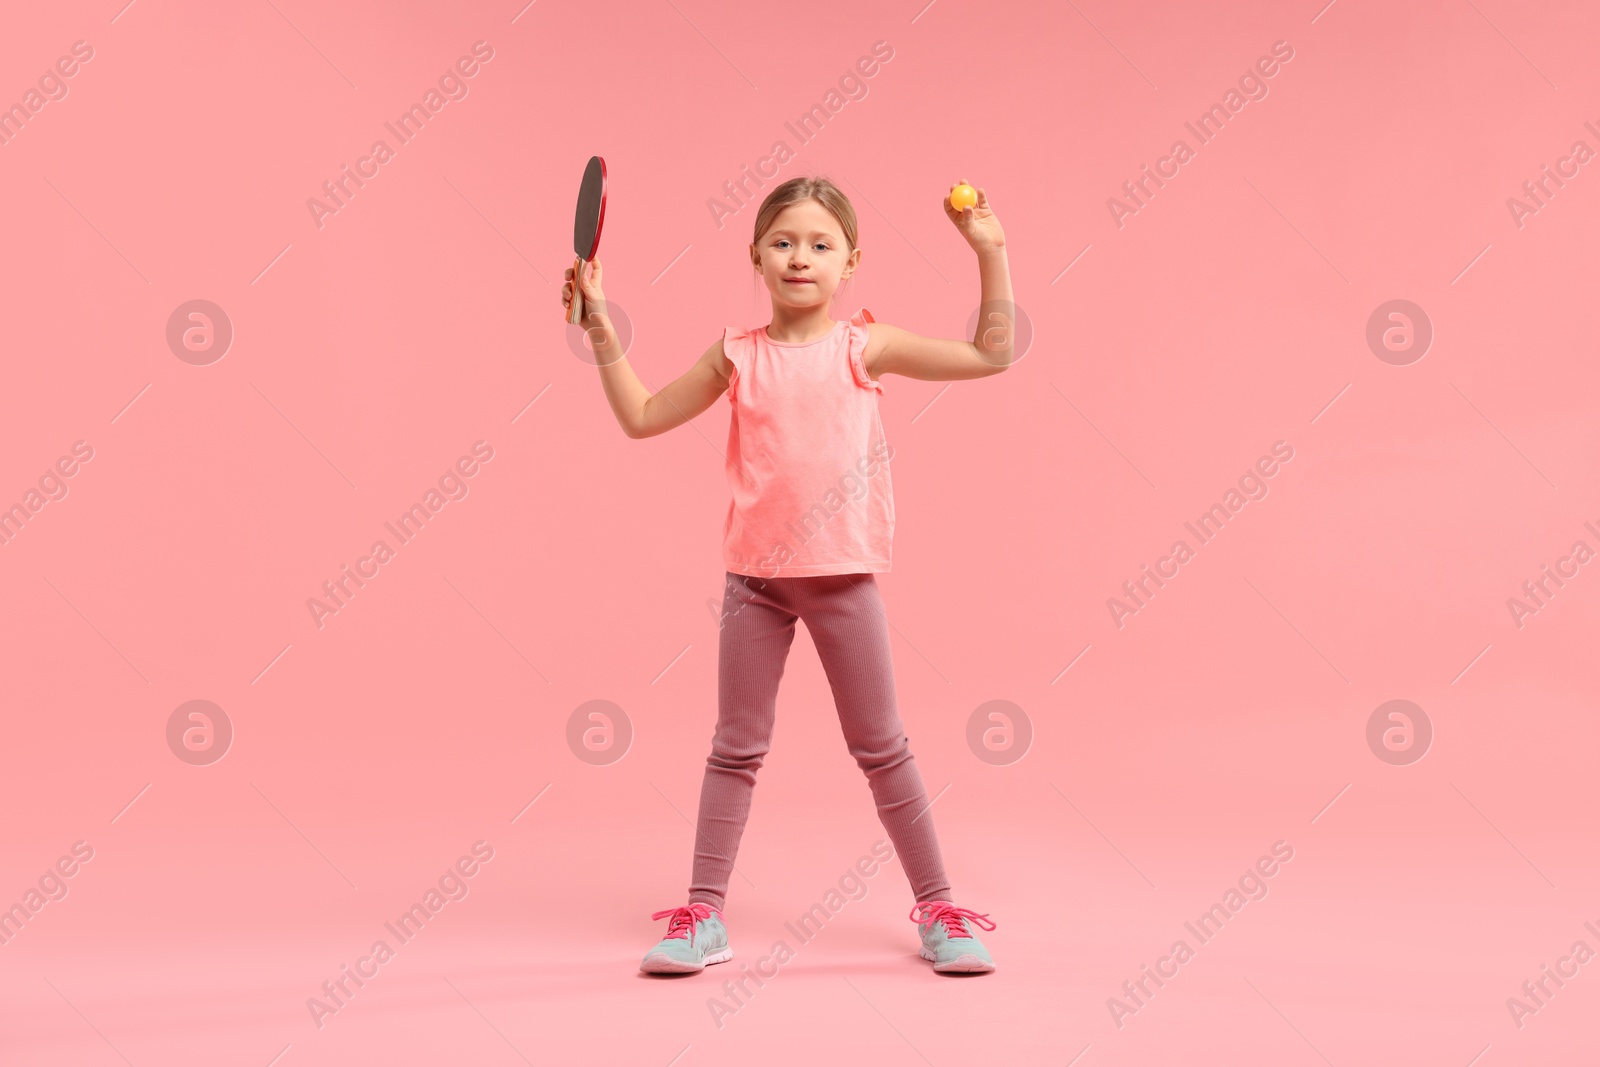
x=962 y=964
x=660 y=963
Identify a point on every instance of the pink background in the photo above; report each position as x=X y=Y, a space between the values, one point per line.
x=1229 y=714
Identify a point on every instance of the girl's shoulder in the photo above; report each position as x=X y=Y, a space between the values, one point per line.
x=865 y=344
x=737 y=344
x=861 y=324
x=738 y=340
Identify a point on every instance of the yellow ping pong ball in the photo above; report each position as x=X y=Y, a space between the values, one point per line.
x=963 y=197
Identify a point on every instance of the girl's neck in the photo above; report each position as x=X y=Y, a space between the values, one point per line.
x=801 y=326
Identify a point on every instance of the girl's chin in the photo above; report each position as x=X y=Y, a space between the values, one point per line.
x=801 y=294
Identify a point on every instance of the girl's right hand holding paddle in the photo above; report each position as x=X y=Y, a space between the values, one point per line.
x=594 y=300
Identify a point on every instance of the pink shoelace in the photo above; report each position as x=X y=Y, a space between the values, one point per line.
x=681 y=920
x=953 y=918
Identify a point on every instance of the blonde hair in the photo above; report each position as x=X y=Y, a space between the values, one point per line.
x=798 y=190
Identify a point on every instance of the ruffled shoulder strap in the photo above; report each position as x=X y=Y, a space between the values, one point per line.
x=858 y=350
x=737 y=344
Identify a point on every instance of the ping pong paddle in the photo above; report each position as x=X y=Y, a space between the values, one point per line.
x=586 y=224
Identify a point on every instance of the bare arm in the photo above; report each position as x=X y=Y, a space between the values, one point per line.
x=891 y=350
x=639 y=412
x=645 y=414
x=682 y=398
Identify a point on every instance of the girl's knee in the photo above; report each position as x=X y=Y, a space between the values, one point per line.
x=881 y=755
x=736 y=759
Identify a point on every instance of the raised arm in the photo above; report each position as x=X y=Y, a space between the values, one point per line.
x=891 y=350
x=639 y=412
x=682 y=398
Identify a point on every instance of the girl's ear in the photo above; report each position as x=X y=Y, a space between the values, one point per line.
x=852 y=264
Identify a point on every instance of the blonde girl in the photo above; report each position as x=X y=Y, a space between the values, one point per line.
x=809 y=526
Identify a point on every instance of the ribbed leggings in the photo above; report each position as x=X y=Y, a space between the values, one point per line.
x=844 y=615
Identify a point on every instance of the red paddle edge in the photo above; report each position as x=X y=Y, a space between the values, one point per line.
x=599 y=222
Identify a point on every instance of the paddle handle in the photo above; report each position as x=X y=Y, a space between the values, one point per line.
x=575 y=312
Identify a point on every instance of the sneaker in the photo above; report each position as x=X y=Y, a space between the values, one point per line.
x=948 y=941
x=695 y=937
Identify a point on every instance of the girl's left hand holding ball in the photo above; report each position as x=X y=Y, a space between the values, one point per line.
x=977 y=223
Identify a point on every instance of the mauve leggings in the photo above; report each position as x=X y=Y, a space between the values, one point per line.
x=845 y=617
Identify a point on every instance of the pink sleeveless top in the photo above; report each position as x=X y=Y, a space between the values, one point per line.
x=807 y=460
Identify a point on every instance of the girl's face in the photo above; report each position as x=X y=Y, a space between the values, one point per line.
x=804 y=242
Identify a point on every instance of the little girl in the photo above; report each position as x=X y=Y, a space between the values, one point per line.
x=810 y=523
